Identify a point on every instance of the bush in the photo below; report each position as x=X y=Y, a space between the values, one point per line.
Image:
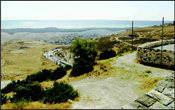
x=30 y=92
x=3 y=98
x=84 y=56
x=67 y=67
x=58 y=73
x=147 y=71
x=107 y=54
x=39 y=76
x=80 y=67
x=61 y=92
x=13 y=85
x=105 y=43
x=124 y=49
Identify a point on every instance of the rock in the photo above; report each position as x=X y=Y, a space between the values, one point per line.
x=159 y=97
x=159 y=88
x=158 y=105
x=169 y=93
x=171 y=105
x=146 y=100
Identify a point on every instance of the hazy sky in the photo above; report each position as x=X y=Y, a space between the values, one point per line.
x=87 y=10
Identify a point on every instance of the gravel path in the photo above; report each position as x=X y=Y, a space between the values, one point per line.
x=112 y=92
x=127 y=61
x=107 y=93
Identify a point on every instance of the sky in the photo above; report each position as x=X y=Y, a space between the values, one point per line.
x=87 y=10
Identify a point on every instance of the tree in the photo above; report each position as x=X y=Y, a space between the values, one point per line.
x=84 y=52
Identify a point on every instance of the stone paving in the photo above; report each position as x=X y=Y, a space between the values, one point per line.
x=161 y=97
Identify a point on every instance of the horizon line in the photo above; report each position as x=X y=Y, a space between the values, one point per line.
x=81 y=20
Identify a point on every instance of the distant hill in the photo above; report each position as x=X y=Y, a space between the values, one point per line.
x=54 y=29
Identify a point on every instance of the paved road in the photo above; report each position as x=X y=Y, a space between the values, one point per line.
x=50 y=56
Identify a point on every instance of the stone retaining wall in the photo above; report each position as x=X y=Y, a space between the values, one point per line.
x=145 y=54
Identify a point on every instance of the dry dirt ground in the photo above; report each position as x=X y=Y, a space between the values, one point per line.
x=20 y=58
x=113 y=92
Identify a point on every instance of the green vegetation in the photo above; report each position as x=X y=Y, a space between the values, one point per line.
x=107 y=54
x=40 y=76
x=3 y=98
x=148 y=71
x=106 y=43
x=44 y=75
x=30 y=92
x=61 y=92
x=33 y=91
x=84 y=56
x=142 y=40
x=13 y=85
x=124 y=49
x=30 y=89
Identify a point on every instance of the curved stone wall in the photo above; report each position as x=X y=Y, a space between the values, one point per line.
x=146 y=54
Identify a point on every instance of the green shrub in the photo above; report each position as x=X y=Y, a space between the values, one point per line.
x=84 y=56
x=80 y=67
x=107 y=54
x=105 y=43
x=67 y=67
x=148 y=71
x=30 y=92
x=13 y=85
x=58 y=73
x=61 y=92
x=124 y=49
x=3 y=98
x=39 y=76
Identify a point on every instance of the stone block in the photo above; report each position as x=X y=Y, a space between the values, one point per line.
x=171 y=105
x=158 y=105
x=169 y=92
x=159 y=88
x=162 y=83
x=160 y=97
x=169 y=78
x=137 y=105
x=146 y=100
x=170 y=85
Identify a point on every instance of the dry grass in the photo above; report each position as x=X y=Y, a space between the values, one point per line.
x=147 y=84
x=148 y=34
x=26 y=62
x=36 y=105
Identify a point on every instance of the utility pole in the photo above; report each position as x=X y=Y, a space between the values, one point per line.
x=132 y=35
x=162 y=41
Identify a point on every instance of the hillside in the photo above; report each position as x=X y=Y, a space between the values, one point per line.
x=143 y=35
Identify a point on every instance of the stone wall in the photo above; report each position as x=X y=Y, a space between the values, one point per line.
x=145 y=54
